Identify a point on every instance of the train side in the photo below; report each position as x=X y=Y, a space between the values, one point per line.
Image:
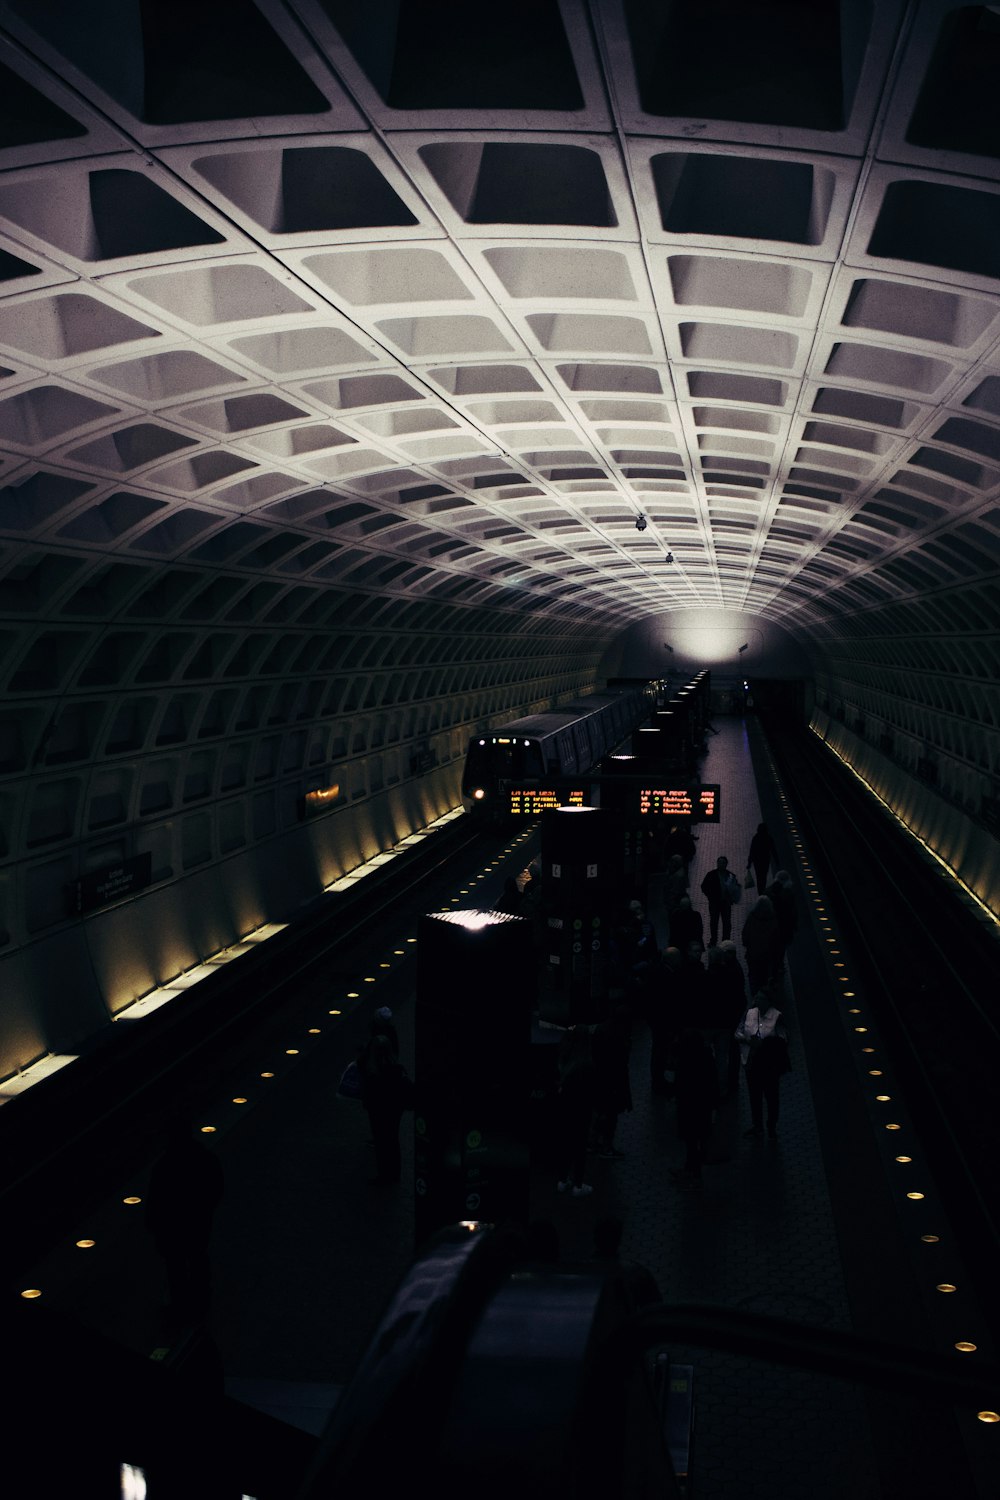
x=566 y=742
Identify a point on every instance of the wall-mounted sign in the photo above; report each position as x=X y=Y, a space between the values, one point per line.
x=113 y=883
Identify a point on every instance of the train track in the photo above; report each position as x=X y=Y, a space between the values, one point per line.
x=65 y=1141
x=928 y=966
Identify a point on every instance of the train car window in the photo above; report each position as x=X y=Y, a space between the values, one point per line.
x=511 y=759
x=566 y=753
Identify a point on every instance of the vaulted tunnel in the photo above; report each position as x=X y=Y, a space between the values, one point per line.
x=337 y=366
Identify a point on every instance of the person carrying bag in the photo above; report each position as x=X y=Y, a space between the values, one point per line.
x=764 y=1052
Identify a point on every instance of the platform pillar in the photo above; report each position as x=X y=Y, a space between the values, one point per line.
x=582 y=863
x=475 y=997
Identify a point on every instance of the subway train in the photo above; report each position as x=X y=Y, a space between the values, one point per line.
x=565 y=742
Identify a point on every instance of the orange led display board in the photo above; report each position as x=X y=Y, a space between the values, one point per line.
x=699 y=802
x=532 y=801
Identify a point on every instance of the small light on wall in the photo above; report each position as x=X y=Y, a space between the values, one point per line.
x=322 y=797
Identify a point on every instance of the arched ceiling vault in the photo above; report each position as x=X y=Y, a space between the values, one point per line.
x=433 y=303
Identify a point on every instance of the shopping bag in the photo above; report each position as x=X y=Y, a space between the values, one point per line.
x=349 y=1086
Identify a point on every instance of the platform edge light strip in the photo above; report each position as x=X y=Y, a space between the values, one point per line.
x=949 y=869
x=144 y=1005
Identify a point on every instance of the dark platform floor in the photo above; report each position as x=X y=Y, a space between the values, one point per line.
x=816 y=1226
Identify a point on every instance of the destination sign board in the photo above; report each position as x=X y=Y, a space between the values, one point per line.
x=532 y=801
x=700 y=802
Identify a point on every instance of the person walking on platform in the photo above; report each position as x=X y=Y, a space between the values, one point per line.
x=762 y=856
x=760 y=942
x=782 y=897
x=510 y=898
x=691 y=986
x=386 y=1090
x=720 y=888
x=725 y=1002
x=732 y=980
x=686 y=926
x=764 y=1049
x=675 y=883
x=681 y=841
x=382 y=1024
x=697 y=1098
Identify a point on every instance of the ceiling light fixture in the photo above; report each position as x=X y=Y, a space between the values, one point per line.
x=641 y=523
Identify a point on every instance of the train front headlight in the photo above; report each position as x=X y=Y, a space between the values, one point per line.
x=478 y=794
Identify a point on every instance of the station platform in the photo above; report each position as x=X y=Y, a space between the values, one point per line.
x=813 y=1227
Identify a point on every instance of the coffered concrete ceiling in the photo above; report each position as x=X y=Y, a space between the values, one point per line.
x=361 y=364
x=439 y=300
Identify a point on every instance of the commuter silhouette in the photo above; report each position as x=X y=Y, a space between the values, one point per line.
x=761 y=942
x=762 y=856
x=764 y=1047
x=697 y=1098
x=386 y=1090
x=782 y=897
x=717 y=888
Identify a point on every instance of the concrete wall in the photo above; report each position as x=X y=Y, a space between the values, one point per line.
x=63 y=989
x=710 y=638
x=965 y=845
